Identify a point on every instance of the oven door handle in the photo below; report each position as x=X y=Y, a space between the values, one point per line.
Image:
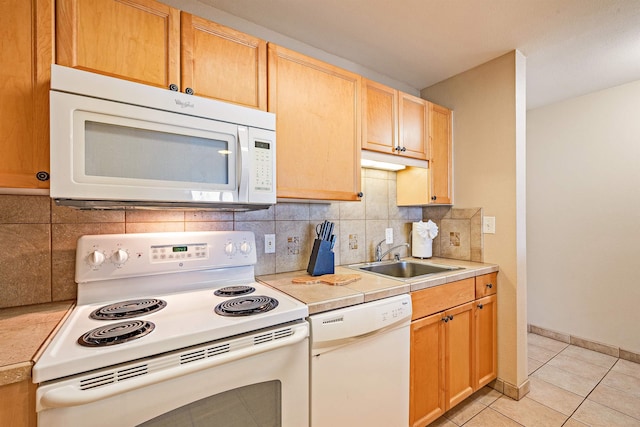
x=72 y=395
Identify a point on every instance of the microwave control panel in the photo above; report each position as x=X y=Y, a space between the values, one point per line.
x=263 y=165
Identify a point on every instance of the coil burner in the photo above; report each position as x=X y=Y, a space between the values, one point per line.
x=128 y=309
x=234 y=291
x=246 y=306
x=116 y=333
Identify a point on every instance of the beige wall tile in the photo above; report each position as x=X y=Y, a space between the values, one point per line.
x=558 y=336
x=266 y=262
x=67 y=215
x=464 y=213
x=154 y=216
x=259 y=215
x=377 y=199
x=154 y=227
x=64 y=239
x=630 y=355
x=353 y=244
x=590 y=356
x=548 y=343
x=206 y=216
x=25 y=264
x=24 y=209
x=209 y=226
x=326 y=211
x=455 y=240
x=292 y=212
x=375 y=232
x=595 y=346
x=295 y=238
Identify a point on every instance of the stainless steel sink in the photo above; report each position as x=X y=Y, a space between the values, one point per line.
x=404 y=269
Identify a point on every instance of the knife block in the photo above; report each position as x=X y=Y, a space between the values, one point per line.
x=322 y=258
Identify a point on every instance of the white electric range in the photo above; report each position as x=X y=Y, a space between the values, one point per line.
x=158 y=310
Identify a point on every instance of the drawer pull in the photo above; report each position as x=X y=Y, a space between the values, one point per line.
x=489 y=285
x=480 y=306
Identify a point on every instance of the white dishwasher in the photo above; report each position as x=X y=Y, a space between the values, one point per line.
x=360 y=365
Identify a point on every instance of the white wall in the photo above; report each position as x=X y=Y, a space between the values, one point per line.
x=583 y=198
x=489 y=172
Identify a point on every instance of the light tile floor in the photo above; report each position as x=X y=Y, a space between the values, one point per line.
x=570 y=386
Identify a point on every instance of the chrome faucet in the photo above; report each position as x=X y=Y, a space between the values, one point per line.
x=380 y=254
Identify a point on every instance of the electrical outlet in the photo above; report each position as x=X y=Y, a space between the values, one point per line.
x=489 y=224
x=269 y=243
x=388 y=235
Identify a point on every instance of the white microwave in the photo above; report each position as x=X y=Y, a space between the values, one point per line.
x=117 y=144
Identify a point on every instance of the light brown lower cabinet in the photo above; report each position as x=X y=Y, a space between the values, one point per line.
x=18 y=404
x=453 y=351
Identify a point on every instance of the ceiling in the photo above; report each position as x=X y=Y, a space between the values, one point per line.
x=572 y=47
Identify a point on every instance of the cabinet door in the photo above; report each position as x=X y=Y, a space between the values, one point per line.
x=317 y=110
x=137 y=40
x=427 y=398
x=414 y=126
x=18 y=404
x=459 y=354
x=486 y=315
x=440 y=154
x=380 y=117
x=221 y=63
x=25 y=69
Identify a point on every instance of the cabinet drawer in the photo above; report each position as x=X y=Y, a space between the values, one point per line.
x=439 y=298
x=487 y=284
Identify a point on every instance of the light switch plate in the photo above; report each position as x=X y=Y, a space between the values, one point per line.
x=269 y=243
x=489 y=224
x=388 y=235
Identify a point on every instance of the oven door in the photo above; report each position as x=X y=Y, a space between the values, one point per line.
x=261 y=379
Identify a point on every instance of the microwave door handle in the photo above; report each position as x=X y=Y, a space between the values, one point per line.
x=243 y=176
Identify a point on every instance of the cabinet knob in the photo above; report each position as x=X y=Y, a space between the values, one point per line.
x=451 y=317
x=42 y=176
x=403 y=149
x=489 y=285
x=480 y=306
x=433 y=198
x=188 y=91
x=445 y=319
x=360 y=194
x=173 y=87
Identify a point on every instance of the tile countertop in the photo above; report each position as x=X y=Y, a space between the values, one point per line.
x=323 y=297
x=23 y=331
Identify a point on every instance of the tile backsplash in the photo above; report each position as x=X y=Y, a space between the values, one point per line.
x=37 y=260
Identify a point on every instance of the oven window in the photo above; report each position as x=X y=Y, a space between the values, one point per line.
x=128 y=152
x=256 y=405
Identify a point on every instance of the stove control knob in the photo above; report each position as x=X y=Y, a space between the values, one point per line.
x=245 y=248
x=95 y=258
x=230 y=248
x=119 y=257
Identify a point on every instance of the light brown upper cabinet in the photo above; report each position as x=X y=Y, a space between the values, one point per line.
x=317 y=110
x=380 y=117
x=418 y=186
x=440 y=169
x=25 y=70
x=219 y=62
x=148 y=42
x=394 y=122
